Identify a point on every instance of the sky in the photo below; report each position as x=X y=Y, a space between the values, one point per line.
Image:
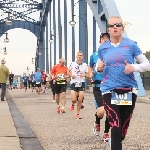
x=22 y=43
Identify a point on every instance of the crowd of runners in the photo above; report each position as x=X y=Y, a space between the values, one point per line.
x=110 y=70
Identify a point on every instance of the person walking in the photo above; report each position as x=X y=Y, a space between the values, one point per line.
x=119 y=87
x=29 y=81
x=4 y=74
x=25 y=80
x=52 y=85
x=96 y=79
x=11 y=77
x=32 y=81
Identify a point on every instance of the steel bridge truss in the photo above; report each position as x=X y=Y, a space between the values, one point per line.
x=30 y=6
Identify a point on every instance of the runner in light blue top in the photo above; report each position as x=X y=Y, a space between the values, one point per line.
x=114 y=59
x=97 y=77
x=119 y=85
x=38 y=80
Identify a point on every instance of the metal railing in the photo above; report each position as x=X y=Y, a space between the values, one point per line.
x=146 y=80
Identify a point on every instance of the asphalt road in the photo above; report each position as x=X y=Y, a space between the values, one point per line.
x=64 y=132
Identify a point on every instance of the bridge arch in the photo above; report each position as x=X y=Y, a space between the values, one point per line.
x=34 y=28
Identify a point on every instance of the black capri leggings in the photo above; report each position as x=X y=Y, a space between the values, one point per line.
x=119 y=119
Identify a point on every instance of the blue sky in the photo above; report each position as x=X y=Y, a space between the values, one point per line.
x=22 y=45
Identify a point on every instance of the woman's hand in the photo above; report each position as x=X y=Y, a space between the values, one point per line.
x=128 y=68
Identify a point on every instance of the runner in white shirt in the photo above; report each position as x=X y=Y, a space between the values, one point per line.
x=77 y=71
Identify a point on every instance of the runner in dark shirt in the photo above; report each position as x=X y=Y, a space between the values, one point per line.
x=11 y=76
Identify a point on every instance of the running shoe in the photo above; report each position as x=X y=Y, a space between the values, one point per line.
x=71 y=107
x=58 y=109
x=96 y=129
x=78 y=116
x=106 y=137
x=63 y=111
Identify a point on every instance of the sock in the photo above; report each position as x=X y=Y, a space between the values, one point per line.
x=58 y=106
x=62 y=107
x=97 y=121
x=82 y=100
x=107 y=126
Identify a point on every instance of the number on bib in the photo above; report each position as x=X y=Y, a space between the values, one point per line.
x=60 y=76
x=121 y=99
x=37 y=82
x=78 y=84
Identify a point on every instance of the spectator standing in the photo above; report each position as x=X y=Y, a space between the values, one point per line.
x=4 y=74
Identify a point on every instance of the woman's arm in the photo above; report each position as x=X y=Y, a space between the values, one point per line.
x=144 y=64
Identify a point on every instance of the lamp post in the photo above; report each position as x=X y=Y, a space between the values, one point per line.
x=6 y=40
x=51 y=38
x=8 y=21
x=4 y=52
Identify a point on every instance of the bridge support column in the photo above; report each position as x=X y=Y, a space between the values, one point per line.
x=59 y=31
x=50 y=28
x=83 y=32
x=65 y=30
x=40 y=57
x=46 y=41
x=54 y=26
x=94 y=35
x=43 y=49
x=73 y=34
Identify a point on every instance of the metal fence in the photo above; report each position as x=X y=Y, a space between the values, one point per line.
x=146 y=80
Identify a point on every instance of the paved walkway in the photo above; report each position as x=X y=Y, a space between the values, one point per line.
x=8 y=137
x=63 y=131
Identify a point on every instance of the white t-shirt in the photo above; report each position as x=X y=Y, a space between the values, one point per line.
x=76 y=70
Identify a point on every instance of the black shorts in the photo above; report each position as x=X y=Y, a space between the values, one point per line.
x=38 y=85
x=33 y=84
x=77 y=89
x=59 y=88
x=44 y=82
x=97 y=97
x=10 y=82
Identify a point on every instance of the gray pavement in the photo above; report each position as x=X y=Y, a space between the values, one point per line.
x=64 y=132
x=8 y=137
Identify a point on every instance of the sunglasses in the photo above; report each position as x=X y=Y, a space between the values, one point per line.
x=116 y=24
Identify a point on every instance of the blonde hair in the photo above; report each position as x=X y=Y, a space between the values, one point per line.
x=118 y=17
x=62 y=60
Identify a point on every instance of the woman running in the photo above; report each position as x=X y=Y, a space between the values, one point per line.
x=119 y=87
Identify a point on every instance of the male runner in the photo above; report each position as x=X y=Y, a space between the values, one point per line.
x=77 y=71
x=59 y=72
x=96 y=78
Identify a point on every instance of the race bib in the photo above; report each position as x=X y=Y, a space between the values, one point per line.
x=78 y=84
x=37 y=82
x=121 y=99
x=60 y=76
